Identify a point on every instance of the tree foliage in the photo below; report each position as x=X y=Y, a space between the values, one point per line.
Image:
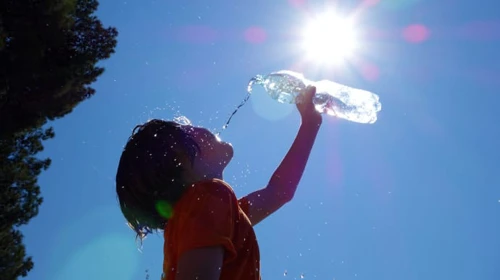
x=49 y=51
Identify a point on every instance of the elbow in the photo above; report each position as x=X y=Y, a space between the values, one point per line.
x=283 y=195
x=287 y=197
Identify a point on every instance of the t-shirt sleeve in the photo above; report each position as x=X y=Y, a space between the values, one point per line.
x=208 y=219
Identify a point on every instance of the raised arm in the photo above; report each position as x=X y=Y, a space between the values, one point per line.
x=285 y=179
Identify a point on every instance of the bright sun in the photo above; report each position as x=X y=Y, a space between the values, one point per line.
x=329 y=38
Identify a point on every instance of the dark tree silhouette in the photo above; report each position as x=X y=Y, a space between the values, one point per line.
x=49 y=50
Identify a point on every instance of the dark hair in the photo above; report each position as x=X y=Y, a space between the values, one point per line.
x=150 y=176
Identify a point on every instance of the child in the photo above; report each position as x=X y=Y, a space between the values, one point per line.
x=170 y=178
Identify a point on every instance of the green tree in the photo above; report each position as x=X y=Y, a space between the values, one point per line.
x=49 y=50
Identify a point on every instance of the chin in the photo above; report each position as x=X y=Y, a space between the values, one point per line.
x=228 y=154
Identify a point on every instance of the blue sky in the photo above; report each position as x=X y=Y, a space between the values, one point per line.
x=414 y=196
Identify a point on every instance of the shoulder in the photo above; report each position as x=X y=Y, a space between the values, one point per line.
x=213 y=188
x=208 y=193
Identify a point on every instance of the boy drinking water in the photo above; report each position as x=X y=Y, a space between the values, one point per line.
x=170 y=178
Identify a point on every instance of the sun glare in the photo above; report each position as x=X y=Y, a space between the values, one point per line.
x=329 y=38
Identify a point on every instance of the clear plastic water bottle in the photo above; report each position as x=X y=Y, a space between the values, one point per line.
x=332 y=98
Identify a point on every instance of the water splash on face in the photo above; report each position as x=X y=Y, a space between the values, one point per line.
x=182 y=120
x=218 y=137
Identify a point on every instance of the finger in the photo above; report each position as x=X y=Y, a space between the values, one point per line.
x=312 y=89
x=309 y=92
x=306 y=95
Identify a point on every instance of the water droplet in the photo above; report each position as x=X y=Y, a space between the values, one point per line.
x=236 y=110
x=182 y=120
x=285 y=273
x=302 y=276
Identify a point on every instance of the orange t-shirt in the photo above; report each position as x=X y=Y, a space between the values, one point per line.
x=209 y=214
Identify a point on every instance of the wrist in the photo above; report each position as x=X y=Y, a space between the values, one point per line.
x=312 y=121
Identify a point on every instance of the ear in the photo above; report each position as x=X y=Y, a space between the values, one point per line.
x=186 y=165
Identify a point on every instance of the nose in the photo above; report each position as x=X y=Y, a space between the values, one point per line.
x=202 y=134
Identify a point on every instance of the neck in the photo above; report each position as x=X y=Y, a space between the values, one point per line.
x=215 y=175
x=206 y=176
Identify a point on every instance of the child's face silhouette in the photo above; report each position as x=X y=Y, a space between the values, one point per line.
x=214 y=154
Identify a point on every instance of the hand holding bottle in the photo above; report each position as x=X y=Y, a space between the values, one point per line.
x=307 y=108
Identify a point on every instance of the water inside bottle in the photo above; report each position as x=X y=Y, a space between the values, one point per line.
x=283 y=86
x=345 y=102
